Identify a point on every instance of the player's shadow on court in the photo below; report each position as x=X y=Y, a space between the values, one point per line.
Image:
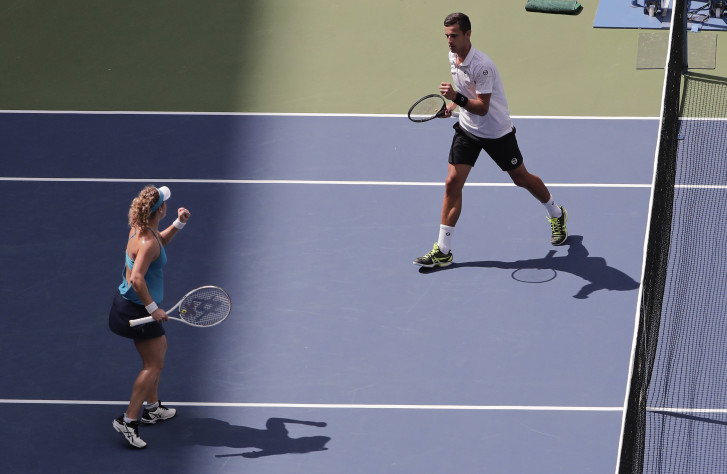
x=577 y=262
x=273 y=440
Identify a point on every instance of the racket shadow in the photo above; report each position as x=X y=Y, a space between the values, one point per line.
x=577 y=261
x=273 y=440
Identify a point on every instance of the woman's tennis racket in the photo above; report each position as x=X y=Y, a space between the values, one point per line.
x=203 y=307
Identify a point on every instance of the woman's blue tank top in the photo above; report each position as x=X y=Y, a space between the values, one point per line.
x=154 y=277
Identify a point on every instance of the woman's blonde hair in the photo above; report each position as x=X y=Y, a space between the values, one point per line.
x=140 y=210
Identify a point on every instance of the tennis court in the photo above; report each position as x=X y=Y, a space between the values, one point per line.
x=339 y=354
x=464 y=355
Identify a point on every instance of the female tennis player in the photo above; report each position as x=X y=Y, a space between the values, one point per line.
x=140 y=292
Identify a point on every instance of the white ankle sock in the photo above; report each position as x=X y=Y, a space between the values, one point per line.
x=553 y=209
x=445 y=238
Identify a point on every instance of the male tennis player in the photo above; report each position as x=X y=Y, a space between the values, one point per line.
x=484 y=124
x=142 y=287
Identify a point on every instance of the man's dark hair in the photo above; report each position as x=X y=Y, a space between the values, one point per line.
x=458 y=19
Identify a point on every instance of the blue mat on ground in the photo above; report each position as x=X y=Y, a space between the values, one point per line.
x=630 y=14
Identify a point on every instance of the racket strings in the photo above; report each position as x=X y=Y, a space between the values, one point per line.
x=205 y=307
x=427 y=108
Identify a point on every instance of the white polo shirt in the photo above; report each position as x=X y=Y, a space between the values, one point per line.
x=478 y=75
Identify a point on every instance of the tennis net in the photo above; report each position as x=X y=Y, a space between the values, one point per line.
x=687 y=397
x=676 y=414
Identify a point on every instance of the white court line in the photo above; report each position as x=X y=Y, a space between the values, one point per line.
x=296 y=114
x=703 y=119
x=20 y=401
x=324 y=405
x=339 y=182
x=295 y=181
x=685 y=411
x=701 y=186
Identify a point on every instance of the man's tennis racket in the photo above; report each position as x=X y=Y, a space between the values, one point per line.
x=203 y=307
x=428 y=107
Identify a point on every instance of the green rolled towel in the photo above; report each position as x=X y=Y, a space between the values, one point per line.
x=569 y=7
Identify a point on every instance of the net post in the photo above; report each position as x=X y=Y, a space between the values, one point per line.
x=684 y=24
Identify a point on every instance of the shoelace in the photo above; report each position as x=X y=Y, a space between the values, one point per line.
x=432 y=254
x=556 y=226
x=129 y=430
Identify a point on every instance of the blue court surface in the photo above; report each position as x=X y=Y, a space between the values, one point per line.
x=339 y=355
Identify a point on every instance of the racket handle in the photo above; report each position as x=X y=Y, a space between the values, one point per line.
x=140 y=321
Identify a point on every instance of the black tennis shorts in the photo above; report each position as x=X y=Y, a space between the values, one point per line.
x=123 y=311
x=466 y=149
